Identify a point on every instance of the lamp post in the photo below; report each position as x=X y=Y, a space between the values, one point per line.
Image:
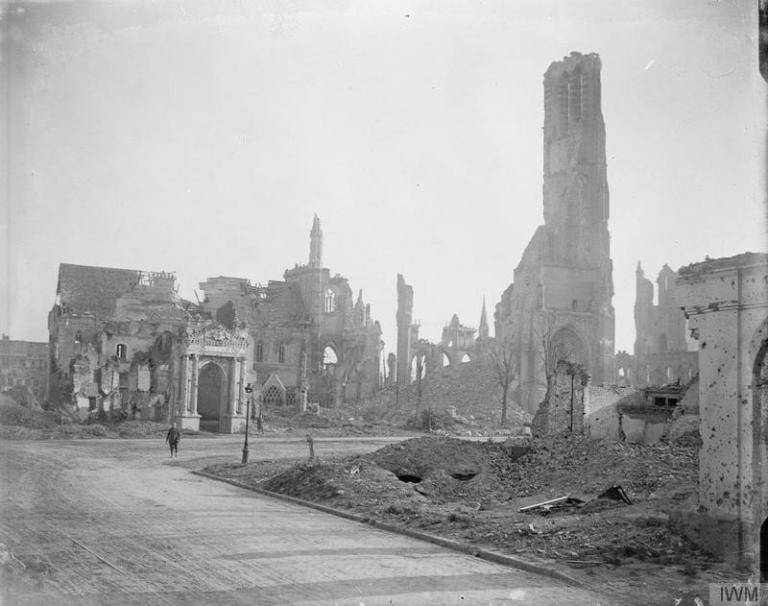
x=249 y=391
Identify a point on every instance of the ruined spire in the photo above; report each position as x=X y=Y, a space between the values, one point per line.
x=639 y=271
x=316 y=244
x=482 y=331
x=359 y=303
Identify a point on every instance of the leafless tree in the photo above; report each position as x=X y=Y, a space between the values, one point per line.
x=504 y=364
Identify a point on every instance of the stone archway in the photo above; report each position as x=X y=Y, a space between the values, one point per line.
x=567 y=346
x=211 y=395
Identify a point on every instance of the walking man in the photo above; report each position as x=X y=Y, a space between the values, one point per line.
x=172 y=438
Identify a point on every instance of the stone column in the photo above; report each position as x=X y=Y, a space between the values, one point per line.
x=193 y=384
x=185 y=384
x=240 y=384
x=232 y=395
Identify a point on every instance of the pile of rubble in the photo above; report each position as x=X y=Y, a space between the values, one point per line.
x=584 y=503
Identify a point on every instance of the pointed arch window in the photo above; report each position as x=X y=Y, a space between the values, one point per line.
x=121 y=351
x=259 y=351
x=281 y=353
x=329 y=301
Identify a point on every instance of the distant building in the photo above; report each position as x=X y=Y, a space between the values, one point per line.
x=663 y=352
x=123 y=342
x=24 y=365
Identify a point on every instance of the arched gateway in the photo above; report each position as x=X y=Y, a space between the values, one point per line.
x=210 y=387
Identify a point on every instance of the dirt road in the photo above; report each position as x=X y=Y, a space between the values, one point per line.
x=118 y=522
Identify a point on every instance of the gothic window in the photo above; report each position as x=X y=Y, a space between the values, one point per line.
x=329 y=305
x=281 y=353
x=78 y=337
x=329 y=357
x=121 y=351
x=259 y=351
x=272 y=396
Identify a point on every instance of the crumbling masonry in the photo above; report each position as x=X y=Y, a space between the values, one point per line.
x=123 y=343
x=559 y=305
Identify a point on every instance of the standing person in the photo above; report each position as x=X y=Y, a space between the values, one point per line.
x=173 y=437
x=260 y=422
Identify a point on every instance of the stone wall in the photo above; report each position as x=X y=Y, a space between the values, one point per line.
x=563 y=408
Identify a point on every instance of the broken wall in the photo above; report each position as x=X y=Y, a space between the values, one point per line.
x=563 y=408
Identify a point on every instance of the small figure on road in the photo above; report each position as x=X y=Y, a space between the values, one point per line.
x=172 y=438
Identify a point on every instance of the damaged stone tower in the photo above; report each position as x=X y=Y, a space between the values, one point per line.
x=559 y=305
x=404 y=323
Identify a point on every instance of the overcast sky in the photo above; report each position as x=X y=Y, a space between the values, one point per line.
x=202 y=137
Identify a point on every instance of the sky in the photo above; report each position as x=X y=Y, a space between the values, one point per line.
x=202 y=137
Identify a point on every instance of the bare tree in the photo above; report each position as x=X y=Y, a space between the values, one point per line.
x=504 y=363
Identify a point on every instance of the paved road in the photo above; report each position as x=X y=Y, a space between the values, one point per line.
x=116 y=522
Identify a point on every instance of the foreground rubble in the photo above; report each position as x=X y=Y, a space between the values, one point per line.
x=473 y=491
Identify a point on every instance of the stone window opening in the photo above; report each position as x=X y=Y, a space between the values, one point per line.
x=329 y=305
x=281 y=353
x=78 y=337
x=121 y=351
x=330 y=359
x=259 y=351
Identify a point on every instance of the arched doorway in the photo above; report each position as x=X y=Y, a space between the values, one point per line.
x=567 y=346
x=211 y=394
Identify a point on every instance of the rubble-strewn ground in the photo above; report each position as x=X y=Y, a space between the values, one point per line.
x=19 y=422
x=472 y=491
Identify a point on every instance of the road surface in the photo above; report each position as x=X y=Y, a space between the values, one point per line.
x=118 y=522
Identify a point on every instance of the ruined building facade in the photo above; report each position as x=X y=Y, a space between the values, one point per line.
x=663 y=353
x=24 y=367
x=726 y=303
x=559 y=306
x=416 y=357
x=122 y=342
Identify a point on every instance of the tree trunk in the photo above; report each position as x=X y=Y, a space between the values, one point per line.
x=504 y=390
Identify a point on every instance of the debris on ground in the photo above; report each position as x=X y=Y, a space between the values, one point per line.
x=473 y=491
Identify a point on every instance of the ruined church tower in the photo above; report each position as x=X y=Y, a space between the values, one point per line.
x=559 y=305
x=316 y=244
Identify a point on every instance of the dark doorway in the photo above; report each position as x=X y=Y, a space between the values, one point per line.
x=210 y=394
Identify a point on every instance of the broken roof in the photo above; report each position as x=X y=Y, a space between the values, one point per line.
x=86 y=289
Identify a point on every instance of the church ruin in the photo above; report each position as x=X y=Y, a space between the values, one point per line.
x=123 y=343
x=559 y=306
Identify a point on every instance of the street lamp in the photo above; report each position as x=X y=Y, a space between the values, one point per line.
x=249 y=391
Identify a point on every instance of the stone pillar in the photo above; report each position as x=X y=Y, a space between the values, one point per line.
x=232 y=395
x=193 y=384
x=240 y=384
x=186 y=383
x=186 y=413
